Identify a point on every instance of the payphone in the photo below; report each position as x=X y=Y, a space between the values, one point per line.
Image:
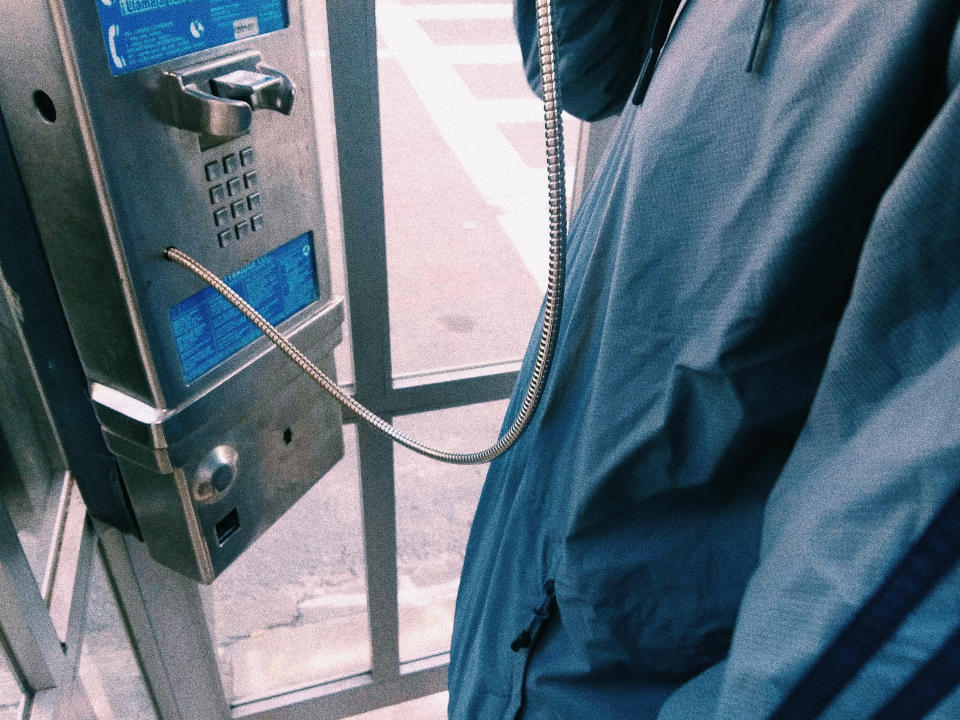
x=137 y=121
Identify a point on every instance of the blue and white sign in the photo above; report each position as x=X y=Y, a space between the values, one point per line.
x=139 y=33
x=208 y=329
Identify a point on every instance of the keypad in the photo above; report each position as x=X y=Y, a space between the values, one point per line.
x=213 y=171
x=234 y=195
x=231 y=163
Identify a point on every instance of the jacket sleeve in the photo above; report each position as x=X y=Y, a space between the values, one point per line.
x=877 y=457
x=600 y=49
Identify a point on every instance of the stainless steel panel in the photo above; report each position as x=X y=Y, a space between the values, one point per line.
x=113 y=181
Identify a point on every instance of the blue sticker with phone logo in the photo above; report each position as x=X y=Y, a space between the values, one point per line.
x=208 y=329
x=140 y=33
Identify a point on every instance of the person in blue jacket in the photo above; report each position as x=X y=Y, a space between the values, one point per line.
x=754 y=408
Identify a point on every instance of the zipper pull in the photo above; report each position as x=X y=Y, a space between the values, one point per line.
x=667 y=11
x=540 y=613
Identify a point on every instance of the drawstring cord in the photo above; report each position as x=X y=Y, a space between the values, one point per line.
x=666 y=12
x=765 y=15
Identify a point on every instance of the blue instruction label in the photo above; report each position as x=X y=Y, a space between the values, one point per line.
x=139 y=33
x=208 y=329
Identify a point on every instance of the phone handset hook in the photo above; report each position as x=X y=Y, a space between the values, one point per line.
x=218 y=98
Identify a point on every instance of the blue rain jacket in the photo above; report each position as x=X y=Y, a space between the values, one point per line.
x=753 y=409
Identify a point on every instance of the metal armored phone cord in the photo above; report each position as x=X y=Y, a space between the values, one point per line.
x=554 y=296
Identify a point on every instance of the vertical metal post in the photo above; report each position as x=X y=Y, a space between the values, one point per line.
x=380 y=543
x=353 y=59
x=165 y=616
x=24 y=618
x=68 y=701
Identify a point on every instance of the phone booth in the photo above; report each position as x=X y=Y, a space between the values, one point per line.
x=129 y=126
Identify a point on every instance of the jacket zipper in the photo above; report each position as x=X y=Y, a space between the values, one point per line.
x=540 y=613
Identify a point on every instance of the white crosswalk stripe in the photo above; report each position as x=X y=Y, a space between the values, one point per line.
x=457 y=11
x=469 y=125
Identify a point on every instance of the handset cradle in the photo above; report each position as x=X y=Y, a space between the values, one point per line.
x=217 y=98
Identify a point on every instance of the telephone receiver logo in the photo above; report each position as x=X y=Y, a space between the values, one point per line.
x=113 y=33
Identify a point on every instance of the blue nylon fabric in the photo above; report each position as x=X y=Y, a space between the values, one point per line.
x=913 y=579
x=879 y=454
x=710 y=264
x=932 y=682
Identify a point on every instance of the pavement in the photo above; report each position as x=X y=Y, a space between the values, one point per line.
x=10 y=693
x=108 y=667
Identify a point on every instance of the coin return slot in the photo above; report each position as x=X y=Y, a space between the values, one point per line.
x=227 y=527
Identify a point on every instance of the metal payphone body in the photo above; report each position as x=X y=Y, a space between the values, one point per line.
x=140 y=124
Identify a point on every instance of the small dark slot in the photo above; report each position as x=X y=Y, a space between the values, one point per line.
x=45 y=106
x=287 y=436
x=227 y=527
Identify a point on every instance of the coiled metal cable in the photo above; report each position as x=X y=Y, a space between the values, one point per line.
x=554 y=296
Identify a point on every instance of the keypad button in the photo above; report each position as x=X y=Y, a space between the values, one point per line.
x=216 y=194
x=253 y=202
x=238 y=208
x=225 y=237
x=234 y=186
x=242 y=229
x=247 y=156
x=212 y=170
x=251 y=179
x=221 y=216
x=231 y=163
x=256 y=222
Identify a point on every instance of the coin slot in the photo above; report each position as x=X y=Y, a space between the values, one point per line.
x=227 y=527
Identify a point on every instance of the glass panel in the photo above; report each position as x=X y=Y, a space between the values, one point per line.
x=291 y=611
x=31 y=471
x=109 y=670
x=11 y=694
x=464 y=185
x=435 y=506
x=431 y=707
